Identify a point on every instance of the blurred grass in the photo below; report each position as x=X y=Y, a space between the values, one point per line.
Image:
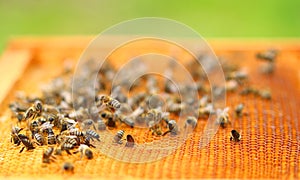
x=211 y=18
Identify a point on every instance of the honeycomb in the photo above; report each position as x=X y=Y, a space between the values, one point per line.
x=269 y=148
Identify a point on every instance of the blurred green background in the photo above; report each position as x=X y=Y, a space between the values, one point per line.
x=211 y=18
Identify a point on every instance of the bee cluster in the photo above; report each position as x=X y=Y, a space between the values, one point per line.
x=50 y=120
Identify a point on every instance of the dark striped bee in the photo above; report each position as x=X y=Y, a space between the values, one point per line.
x=34 y=125
x=51 y=136
x=76 y=132
x=93 y=135
x=47 y=155
x=86 y=141
x=14 y=135
x=67 y=147
x=118 y=137
x=173 y=128
x=84 y=151
x=71 y=140
x=110 y=102
x=130 y=141
x=38 y=137
x=35 y=110
x=235 y=136
x=26 y=142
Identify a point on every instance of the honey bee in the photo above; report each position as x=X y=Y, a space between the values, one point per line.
x=76 y=132
x=66 y=147
x=269 y=55
x=93 y=135
x=130 y=141
x=191 y=121
x=26 y=142
x=110 y=102
x=68 y=167
x=223 y=117
x=239 y=109
x=265 y=94
x=249 y=90
x=71 y=140
x=35 y=110
x=86 y=141
x=84 y=151
x=47 y=155
x=34 y=125
x=235 y=136
x=14 y=135
x=38 y=137
x=173 y=128
x=118 y=137
x=205 y=111
x=237 y=75
x=51 y=136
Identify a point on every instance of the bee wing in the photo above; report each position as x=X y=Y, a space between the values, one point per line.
x=46 y=125
x=219 y=112
x=226 y=110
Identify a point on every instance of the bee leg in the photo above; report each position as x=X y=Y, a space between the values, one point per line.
x=22 y=149
x=94 y=127
x=166 y=133
x=75 y=152
x=92 y=146
x=68 y=152
x=18 y=144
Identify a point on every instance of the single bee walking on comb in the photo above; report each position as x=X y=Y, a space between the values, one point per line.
x=235 y=136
